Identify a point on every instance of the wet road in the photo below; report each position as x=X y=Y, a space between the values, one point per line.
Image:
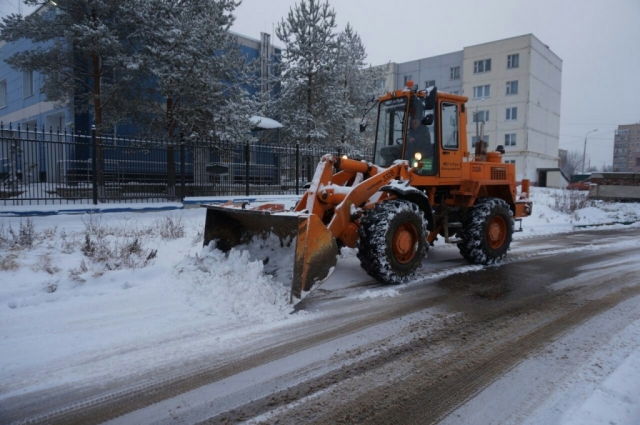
x=414 y=357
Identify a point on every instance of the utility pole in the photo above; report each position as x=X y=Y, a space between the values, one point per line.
x=584 y=152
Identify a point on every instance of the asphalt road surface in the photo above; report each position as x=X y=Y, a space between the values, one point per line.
x=422 y=356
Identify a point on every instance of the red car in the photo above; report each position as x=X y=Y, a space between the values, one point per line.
x=582 y=185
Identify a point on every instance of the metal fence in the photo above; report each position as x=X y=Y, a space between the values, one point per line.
x=47 y=167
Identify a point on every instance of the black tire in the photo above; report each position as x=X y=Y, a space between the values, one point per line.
x=487 y=231
x=390 y=224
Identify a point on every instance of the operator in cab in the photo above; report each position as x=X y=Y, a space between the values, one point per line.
x=418 y=139
x=418 y=136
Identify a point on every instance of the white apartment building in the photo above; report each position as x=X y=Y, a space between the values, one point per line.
x=626 y=148
x=514 y=85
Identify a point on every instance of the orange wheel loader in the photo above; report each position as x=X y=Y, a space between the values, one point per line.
x=422 y=183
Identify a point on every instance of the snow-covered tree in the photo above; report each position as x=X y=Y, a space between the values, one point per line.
x=359 y=83
x=196 y=65
x=197 y=68
x=81 y=49
x=309 y=94
x=325 y=83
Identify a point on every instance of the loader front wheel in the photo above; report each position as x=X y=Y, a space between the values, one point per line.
x=392 y=241
x=487 y=231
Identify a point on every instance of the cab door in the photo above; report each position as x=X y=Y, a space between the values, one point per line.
x=450 y=151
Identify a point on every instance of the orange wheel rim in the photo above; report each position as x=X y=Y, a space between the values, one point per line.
x=497 y=232
x=405 y=240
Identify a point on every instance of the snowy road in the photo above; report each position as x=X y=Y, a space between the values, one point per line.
x=524 y=342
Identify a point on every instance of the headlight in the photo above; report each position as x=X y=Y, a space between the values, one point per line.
x=418 y=156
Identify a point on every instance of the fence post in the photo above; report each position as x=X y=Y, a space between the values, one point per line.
x=182 y=177
x=297 y=168
x=94 y=162
x=246 y=168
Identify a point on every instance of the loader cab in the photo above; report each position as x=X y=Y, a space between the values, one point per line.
x=406 y=131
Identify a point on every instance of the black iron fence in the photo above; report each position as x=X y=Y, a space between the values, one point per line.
x=47 y=167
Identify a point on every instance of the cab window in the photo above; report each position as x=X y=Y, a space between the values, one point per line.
x=449 y=114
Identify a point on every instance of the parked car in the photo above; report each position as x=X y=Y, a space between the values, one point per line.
x=581 y=185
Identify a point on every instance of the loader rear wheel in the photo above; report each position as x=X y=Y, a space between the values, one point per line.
x=487 y=231
x=392 y=241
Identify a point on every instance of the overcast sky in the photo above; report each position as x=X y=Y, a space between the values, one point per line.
x=597 y=40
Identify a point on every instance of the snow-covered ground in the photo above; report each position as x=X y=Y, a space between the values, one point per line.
x=74 y=288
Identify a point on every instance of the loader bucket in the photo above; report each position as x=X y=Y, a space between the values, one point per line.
x=296 y=249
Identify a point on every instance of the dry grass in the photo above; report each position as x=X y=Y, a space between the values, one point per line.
x=9 y=262
x=569 y=201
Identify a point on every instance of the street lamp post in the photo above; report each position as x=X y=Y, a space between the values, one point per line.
x=584 y=152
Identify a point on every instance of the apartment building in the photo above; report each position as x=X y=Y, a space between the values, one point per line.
x=514 y=89
x=626 y=148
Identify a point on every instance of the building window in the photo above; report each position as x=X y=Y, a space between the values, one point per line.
x=513 y=61
x=512 y=114
x=27 y=83
x=510 y=161
x=512 y=87
x=474 y=140
x=407 y=78
x=3 y=93
x=637 y=162
x=481 y=116
x=482 y=66
x=482 y=91
x=510 y=139
x=429 y=83
x=455 y=73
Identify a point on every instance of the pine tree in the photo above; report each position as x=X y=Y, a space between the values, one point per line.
x=81 y=48
x=197 y=66
x=198 y=69
x=309 y=93
x=325 y=83
x=360 y=84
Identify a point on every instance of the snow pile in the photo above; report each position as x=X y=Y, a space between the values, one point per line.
x=232 y=286
x=561 y=211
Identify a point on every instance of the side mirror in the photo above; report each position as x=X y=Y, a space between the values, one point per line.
x=427 y=120
x=363 y=125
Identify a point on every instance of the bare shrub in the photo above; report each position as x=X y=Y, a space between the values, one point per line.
x=569 y=201
x=25 y=236
x=93 y=226
x=5 y=237
x=117 y=254
x=49 y=233
x=9 y=262
x=76 y=274
x=45 y=263
x=170 y=227
x=51 y=287
x=111 y=247
x=67 y=244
